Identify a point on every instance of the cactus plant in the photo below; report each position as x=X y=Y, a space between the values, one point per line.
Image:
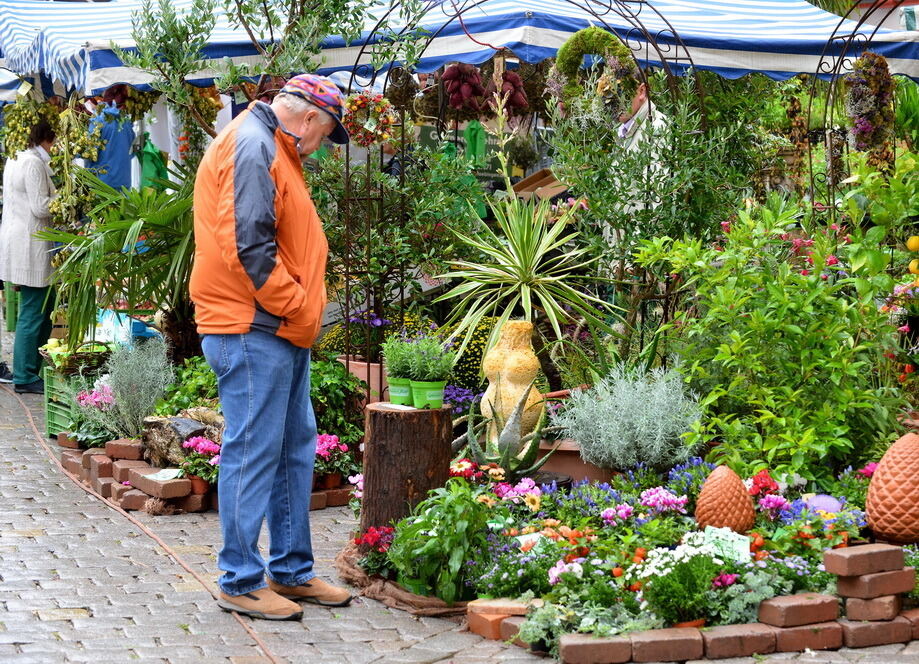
x=513 y=452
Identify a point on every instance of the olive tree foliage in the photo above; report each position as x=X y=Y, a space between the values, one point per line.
x=287 y=35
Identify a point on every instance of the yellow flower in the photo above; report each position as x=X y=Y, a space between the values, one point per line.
x=532 y=501
x=496 y=474
x=487 y=500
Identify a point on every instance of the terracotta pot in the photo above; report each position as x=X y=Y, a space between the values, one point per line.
x=724 y=502
x=330 y=481
x=371 y=373
x=893 y=512
x=199 y=485
x=700 y=622
x=567 y=460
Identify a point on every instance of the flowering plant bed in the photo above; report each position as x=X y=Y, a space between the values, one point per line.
x=618 y=557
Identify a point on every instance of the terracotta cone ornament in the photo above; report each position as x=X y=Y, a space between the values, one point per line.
x=724 y=502
x=892 y=505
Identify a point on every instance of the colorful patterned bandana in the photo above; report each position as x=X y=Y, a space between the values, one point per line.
x=324 y=94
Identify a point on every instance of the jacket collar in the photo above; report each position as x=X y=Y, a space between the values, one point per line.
x=265 y=114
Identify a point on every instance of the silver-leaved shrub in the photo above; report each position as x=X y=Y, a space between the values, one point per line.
x=632 y=417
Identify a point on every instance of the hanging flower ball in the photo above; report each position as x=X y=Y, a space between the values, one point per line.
x=369 y=118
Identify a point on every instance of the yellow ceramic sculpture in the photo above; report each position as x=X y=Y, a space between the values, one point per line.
x=511 y=366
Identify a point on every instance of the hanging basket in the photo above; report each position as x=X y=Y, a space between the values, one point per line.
x=79 y=360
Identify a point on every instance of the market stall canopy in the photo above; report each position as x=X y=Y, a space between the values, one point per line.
x=71 y=43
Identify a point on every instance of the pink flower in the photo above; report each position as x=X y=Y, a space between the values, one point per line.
x=869 y=469
x=804 y=273
x=725 y=580
x=661 y=500
x=903 y=328
x=773 y=504
x=126 y=483
x=726 y=226
x=832 y=260
x=215 y=461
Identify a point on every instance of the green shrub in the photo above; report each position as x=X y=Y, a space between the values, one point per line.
x=195 y=385
x=467 y=371
x=333 y=340
x=336 y=396
x=785 y=342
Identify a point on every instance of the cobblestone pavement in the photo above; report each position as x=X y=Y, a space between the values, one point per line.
x=80 y=583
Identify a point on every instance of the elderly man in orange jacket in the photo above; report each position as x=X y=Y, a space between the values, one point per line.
x=259 y=293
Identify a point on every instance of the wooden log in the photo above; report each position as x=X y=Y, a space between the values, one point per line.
x=407 y=454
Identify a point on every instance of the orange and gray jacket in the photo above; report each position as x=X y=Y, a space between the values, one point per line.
x=260 y=251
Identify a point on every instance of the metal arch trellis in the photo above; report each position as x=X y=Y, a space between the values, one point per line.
x=850 y=43
x=663 y=48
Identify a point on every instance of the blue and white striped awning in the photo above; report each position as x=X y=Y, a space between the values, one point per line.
x=71 y=43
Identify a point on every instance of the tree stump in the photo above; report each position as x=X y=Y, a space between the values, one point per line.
x=407 y=454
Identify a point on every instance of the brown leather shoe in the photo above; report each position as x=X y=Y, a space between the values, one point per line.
x=263 y=603
x=315 y=590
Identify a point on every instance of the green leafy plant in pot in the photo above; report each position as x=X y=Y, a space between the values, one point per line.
x=431 y=361
x=397 y=354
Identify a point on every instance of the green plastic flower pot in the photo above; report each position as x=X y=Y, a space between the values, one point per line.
x=426 y=394
x=400 y=390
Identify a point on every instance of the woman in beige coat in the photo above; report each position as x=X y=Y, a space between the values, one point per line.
x=24 y=260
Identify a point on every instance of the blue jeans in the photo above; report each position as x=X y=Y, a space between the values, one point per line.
x=266 y=462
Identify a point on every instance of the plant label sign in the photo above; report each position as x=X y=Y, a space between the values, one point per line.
x=729 y=544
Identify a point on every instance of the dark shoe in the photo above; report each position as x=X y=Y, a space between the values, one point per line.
x=35 y=387
x=315 y=590
x=6 y=376
x=263 y=603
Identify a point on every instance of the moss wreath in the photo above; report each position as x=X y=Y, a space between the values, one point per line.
x=590 y=41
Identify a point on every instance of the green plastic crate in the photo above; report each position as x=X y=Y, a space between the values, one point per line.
x=58 y=413
x=11 y=310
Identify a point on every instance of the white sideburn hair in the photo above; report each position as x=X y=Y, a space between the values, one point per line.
x=298 y=105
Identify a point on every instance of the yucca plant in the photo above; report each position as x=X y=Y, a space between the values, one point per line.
x=135 y=251
x=513 y=452
x=532 y=266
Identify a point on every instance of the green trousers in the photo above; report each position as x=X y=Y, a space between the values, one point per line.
x=32 y=330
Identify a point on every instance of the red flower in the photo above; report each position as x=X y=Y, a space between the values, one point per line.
x=763 y=484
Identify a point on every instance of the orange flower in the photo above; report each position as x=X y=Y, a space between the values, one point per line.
x=528 y=545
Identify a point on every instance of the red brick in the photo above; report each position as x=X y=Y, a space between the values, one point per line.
x=863 y=559
x=165 y=489
x=64 y=439
x=72 y=466
x=913 y=616
x=866 y=634
x=510 y=627
x=133 y=499
x=880 y=608
x=125 y=448
x=99 y=466
x=193 y=502
x=76 y=455
x=676 y=644
x=823 y=636
x=870 y=586
x=337 y=497
x=588 y=649
x=487 y=625
x=89 y=454
x=509 y=607
x=121 y=469
x=318 y=500
x=801 y=609
x=118 y=490
x=738 y=640
x=103 y=486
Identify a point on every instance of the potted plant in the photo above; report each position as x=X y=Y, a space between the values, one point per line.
x=431 y=361
x=334 y=460
x=202 y=463
x=397 y=352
